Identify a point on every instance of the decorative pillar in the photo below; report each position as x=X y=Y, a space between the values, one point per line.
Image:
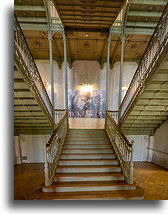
x=122 y=37
x=66 y=76
x=51 y=67
x=108 y=70
x=51 y=75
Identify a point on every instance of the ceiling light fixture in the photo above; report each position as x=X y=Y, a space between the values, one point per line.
x=86 y=35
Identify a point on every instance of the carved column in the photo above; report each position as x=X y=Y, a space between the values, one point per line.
x=108 y=70
x=122 y=37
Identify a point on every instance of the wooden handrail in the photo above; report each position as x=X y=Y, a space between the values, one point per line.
x=157 y=151
x=119 y=130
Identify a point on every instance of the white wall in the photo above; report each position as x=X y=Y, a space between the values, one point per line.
x=160 y=146
x=44 y=69
x=139 y=146
x=95 y=76
x=129 y=69
x=31 y=148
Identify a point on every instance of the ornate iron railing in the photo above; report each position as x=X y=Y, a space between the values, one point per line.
x=59 y=114
x=151 y=59
x=53 y=149
x=25 y=62
x=114 y=115
x=123 y=148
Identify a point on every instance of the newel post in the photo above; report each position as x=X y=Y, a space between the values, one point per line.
x=46 y=168
x=131 y=165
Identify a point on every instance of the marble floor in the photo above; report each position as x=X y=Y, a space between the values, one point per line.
x=86 y=123
x=149 y=176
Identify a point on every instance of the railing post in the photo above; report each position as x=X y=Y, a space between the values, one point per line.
x=46 y=170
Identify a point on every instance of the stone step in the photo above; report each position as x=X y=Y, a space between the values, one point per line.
x=88 y=156
x=88 y=186
x=87 y=142
x=92 y=176
x=83 y=136
x=86 y=131
x=87 y=168
x=87 y=162
x=136 y=194
x=87 y=151
x=90 y=141
x=87 y=146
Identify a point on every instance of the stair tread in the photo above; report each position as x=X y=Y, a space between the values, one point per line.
x=137 y=193
x=89 y=184
x=88 y=166
x=88 y=154
x=105 y=144
x=89 y=174
x=98 y=140
x=92 y=160
x=89 y=149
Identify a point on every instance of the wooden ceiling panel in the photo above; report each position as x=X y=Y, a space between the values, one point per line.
x=88 y=13
x=28 y=2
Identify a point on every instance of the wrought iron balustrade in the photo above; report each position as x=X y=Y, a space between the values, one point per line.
x=156 y=49
x=114 y=115
x=123 y=148
x=25 y=62
x=53 y=148
x=59 y=114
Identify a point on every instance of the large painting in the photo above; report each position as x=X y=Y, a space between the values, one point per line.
x=87 y=104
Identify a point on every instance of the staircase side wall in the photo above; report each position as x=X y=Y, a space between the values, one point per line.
x=160 y=146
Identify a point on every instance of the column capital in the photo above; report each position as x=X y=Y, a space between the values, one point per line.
x=122 y=36
x=50 y=34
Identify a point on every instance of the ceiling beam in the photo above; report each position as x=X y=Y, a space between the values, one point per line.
x=86 y=29
x=41 y=27
x=79 y=19
x=32 y=19
x=129 y=31
x=141 y=24
x=88 y=5
x=84 y=16
x=88 y=23
x=144 y=13
x=28 y=26
x=149 y=2
x=29 y=8
x=87 y=11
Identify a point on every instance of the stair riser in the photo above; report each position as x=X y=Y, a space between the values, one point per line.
x=78 y=170
x=96 y=156
x=103 y=178
x=96 y=188
x=82 y=151
x=64 y=163
x=87 y=147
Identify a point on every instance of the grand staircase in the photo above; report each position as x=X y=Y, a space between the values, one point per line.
x=88 y=169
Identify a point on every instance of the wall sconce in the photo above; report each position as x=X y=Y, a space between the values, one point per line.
x=46 y=84
x=124 y=87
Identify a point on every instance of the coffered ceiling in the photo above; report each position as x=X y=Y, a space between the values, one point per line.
x=87 y=24
x=99 y=14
